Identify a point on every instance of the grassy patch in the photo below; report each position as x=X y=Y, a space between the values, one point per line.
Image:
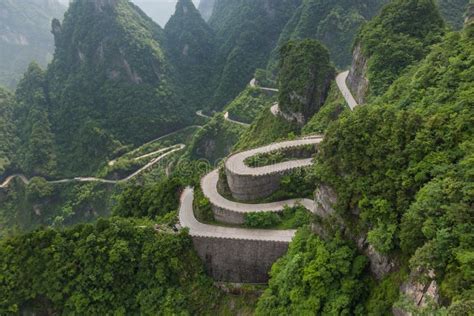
x=290 y=218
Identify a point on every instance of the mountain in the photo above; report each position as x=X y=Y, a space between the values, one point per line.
x=191 y=48
x=159 y=10
x=206 y=7
x=305 y=78
x=453 y=11
x=25 y=28
x=246 y=31
x=110 y=84
x=399 y=169
x=334 y=23
x=398 y=37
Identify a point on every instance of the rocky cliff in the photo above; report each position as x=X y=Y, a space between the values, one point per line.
x=305 y=77
x=357 y=80
x=110 y=83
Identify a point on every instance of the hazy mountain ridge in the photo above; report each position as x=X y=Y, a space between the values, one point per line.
x=25 y=35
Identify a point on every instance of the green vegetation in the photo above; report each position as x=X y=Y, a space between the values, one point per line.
x=453 y=11
x=290 y=218
x=37 y=151
x=398 y=37
x=109 y=85
x=191 y=48
x=26 y=207
x=334 y=106
x=115 y=266
x=246 y=31
x=266 y=129
x=133 y=160
x=406 y=164
x=150 y=201
x=7 y=130
x=26 y=36
x=278 y=156
x=305 y=76
x=215 y=140
x=315 y=277
x=248 y=104
x=334 y=23
x=202 y=207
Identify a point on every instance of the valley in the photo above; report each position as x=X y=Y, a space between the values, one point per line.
x=264 y=157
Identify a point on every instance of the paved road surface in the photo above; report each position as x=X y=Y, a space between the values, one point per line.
x=236 y=162
x=209 y=188
x=341 y=83
x=187 y=219
x=154 y=161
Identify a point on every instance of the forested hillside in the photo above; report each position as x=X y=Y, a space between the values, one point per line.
x=401 y=168
x=25 y=28
x=247 y=31
x=191 y=46
x=334 y=23
x=397 y=38
x=110 y=84
x=390 y=226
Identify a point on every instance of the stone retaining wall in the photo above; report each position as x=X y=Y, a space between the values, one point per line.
x=251 y=188
x=238 y=260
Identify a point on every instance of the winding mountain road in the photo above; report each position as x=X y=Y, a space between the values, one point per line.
x=346 y=93
x=169 y=151
x=236 y=164
x=226 y=117
x=187 y=219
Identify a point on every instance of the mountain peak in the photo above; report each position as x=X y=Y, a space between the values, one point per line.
x=185 y=7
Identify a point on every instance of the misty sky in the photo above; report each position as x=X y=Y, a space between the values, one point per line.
x=158 y=10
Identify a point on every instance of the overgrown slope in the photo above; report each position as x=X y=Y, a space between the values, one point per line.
x=333 y=22
x=109 y=85
x=247 y=31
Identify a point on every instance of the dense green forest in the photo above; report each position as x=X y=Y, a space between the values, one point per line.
x=334 y=23
x=246 y=31
x=114 y=266
x=400 y=167
x=191 y=46
x=305 y=77
x=397 y=38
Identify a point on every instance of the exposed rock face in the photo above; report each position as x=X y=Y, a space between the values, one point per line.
x=469 y=15
x=305 y=77
x=325 y=199
x=357 y=80
x=206 y=7
x=380 y=265
x=419 y=294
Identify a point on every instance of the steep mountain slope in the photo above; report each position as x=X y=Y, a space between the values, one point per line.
x=109 y=84
x=397 y=38
x=305 y=77
x=401 y=170
x=206 y=7
x=334 y=23
x=247 y=31
x=25 y=28
x=7 y=130
x=190 y=43
x=453 y=11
